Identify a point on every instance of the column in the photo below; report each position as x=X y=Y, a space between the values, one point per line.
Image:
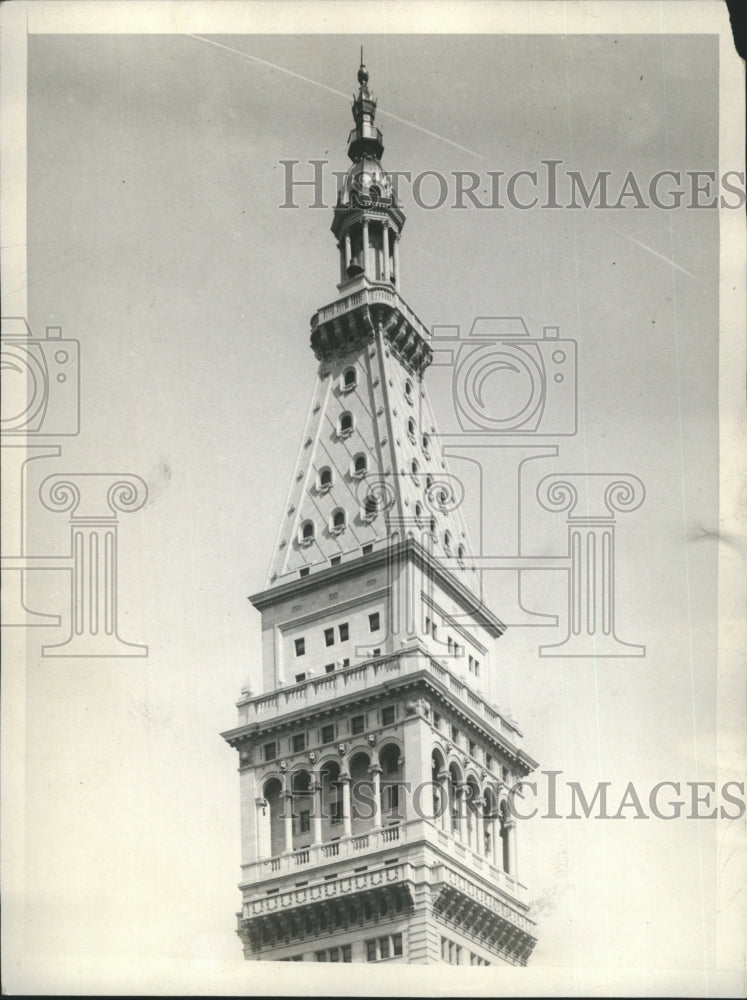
x=395 y=254
x=460 y=791
x=511 y=835
x=443 y=790
x=288 y=815
x=480 y=826
x=591 y=501
x=385 y=246
x=365 y=248
x=94 y=501
x=375 y=772
x=345 y=781
x=348 y=253
x=316 y=810
x=263 y=846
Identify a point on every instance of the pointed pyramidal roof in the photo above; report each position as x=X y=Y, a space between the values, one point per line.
x=370 y=471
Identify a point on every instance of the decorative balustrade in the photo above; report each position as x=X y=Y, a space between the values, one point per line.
x=416 y=831
x=362 y=677
x=372 y=295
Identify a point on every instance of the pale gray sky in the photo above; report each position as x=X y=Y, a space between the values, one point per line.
x=156 y=239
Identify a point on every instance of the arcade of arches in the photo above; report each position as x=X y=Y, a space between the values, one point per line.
x=308 y=806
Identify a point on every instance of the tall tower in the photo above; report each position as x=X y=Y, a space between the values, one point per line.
x=375 y=774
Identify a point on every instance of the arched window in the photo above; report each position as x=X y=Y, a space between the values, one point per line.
x=349 y=379
x=360 y=465
x=339 y=520
x=324 y=480
x=345 y=424
x=308 y=532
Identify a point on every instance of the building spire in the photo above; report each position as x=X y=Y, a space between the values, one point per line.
x=365 y=139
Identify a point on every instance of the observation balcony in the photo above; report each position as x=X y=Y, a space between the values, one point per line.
x=362 y=678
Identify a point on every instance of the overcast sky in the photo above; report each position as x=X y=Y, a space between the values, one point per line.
x=156 y=238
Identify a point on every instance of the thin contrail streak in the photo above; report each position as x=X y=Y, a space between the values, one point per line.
x=338 y=93
x=655 y=253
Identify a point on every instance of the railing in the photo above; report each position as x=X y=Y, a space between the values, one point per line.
x=361 y=677
x=379 y=839
x=376 y=294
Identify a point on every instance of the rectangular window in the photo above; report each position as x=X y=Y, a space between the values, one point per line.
x=450 y=644
x=304 y=821
x=436 y=720
x=444 y=949
x=458 y=956
x=384 y=947
x=488 y=761
x=321 y=956
x=328 y=733
x=374 y=622
x=347 y=953
x=270 y=751
x=334 y=954
x=299 y=742
x=387 y=715
x=471 y=664
x=427 y=625
x=376 y=652
x=300 y=677
x=335 y=560
x=472 y=748
x=371 y=951
x=455 y=734
x=304 y=571
x=344 y=632
x=329 y=637
x=366 y=549
x=300 y=647
x=477 y=669
x=346 y=662
x=391 y=797
x=357 y=724
x=329 y=668
x=396 y=944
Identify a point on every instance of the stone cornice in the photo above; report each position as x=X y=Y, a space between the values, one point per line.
x=409 y=548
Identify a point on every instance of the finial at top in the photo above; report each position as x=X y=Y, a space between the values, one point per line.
x=362 y=72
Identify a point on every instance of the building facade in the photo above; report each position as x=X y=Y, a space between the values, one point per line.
x=375 y=774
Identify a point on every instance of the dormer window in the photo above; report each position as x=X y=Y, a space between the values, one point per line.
x=324 y=479
x=307 y=533
x=349 y=380
x=345 y=424
x=338 y=521
x=360 y=466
